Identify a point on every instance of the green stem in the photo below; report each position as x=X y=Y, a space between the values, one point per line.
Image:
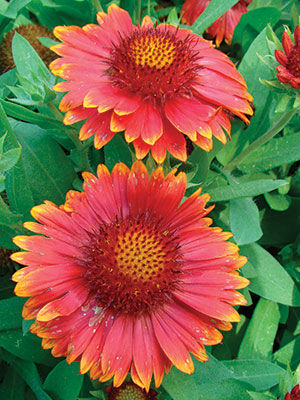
x=276 y=128
x=97 y=5
x=149 y=7
x=58 y=115
x=137 y=10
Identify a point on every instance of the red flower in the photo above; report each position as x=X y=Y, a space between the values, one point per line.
x=154 y=83
x=124 y=277
x=224 y=26
x=289 y=70
x=294 y=395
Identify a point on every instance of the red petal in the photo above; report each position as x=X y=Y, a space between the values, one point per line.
x=186 y=114
x=281 y=57
x=119 y=175
x=141 y=148
x=172 y=346
x=65 y=305
x=287 y=43
x=146 y=123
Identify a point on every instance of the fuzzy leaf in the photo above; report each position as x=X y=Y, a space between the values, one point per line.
x=244 y=221
x=64 y=381
x=272 y=281
x=260 y=334
x=245 y=189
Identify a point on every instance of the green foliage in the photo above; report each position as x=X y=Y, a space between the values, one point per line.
x=244 y=221
x=244 y=190
x=260 y=334
x=252 y=23
x=64 y=381
x=270 y=281
x=117 y=151
x=213 y=11
x=256 y=195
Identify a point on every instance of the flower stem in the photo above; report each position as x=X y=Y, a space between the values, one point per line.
x=55 y=111
x=137 y=10
x=276 y=128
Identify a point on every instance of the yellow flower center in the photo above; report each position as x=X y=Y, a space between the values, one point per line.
x=132 y=265
x=154 y=62
x=140 y=255
x=130 y=392
x=153 y=51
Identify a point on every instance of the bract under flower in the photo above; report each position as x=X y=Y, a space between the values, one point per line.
x=156 y=83
x=289 y=70
x=122 y=277
x=223 y=27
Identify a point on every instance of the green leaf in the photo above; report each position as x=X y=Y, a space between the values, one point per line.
x=173 y=17
x=260 y=334
x=199 y=159
x=252 y=23
x=117 y=151
x=28 y=62
x=186 y=387
x=17 y=186
x=213 y=11
x=9 y=159
x=65 y=12
x=279 y=151
x=27 y=347
x=50 y=173
x=260 y=374
x=180 y=386
x=252 y=69
x=245 y=189
x=272 y=281
x=229 y=389
x=99 y=394
x=64 y=381
x=28 y=371
x=261 y=396
x=244 y=221
x=277 y=201
x=6 y=79
x=1 y=143
x=14 y=7
x=22 y=113
x=11 y=313
x=289 y=354
x=7 y=217
x=12 y=387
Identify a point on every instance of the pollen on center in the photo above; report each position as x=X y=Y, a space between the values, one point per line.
x=140 y=254
x=153 y=51
x=132 y=265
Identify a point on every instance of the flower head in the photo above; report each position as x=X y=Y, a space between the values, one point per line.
x=124 y=277
x=156 y=83
x=294 y=394
x=130 y=391
x=224 y=26
x=289 y=70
